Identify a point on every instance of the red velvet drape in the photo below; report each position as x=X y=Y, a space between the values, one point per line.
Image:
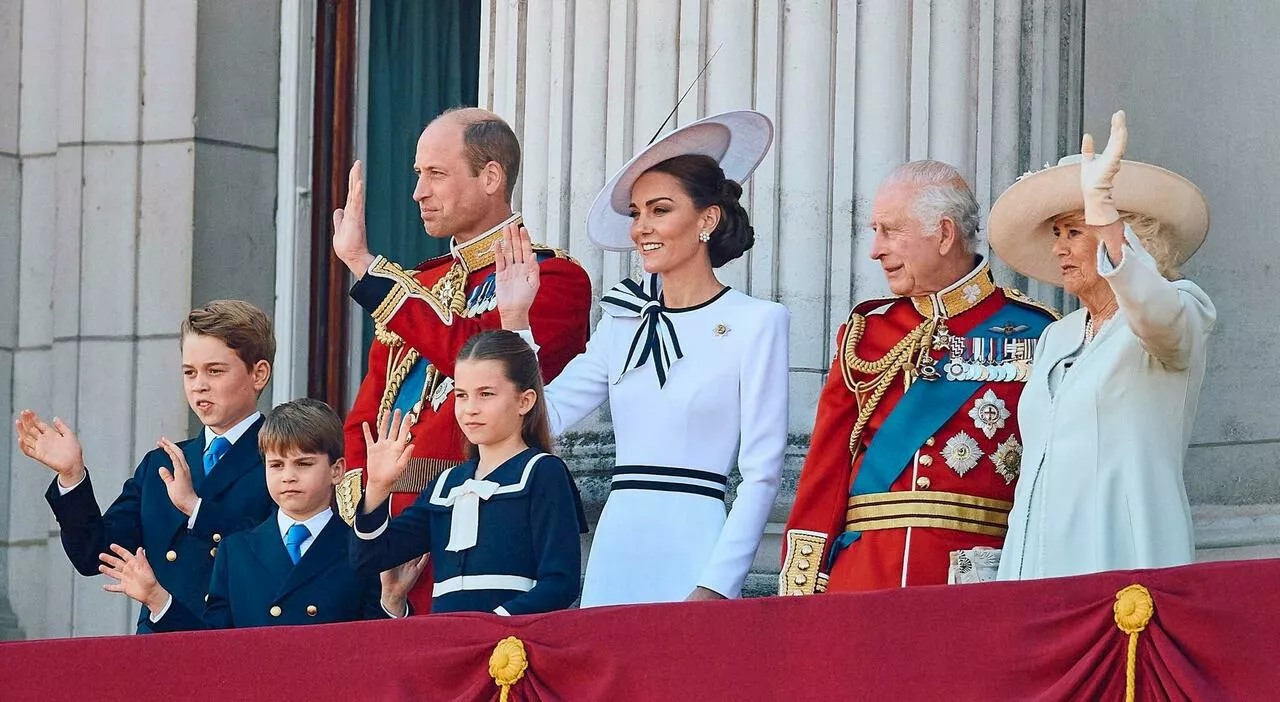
x=1215 y=635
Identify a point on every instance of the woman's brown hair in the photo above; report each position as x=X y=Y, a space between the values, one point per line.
x=520 y=366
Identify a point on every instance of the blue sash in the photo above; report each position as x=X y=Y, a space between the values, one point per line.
x=410 y=390
x=926 y=406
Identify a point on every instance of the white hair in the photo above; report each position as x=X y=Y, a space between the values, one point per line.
x=942 y=193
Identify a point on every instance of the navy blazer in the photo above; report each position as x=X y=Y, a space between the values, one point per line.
x=255 y=584
x=527 y=557
x=232 y=498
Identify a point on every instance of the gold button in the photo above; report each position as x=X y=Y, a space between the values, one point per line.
x=275 y=610
x=806 y=550
x=217 y=538
x=800 y=580
x=213 y=551
x=171 y=556
x=923 y=482
x=929 y=441
x=802 y=564
x=926 y=461
x=311 y=610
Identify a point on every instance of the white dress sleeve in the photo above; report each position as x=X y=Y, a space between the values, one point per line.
x=1169 y=318
x=762 y=445
x=583 y=385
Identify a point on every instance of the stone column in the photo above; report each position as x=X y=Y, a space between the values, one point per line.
x=854 y=89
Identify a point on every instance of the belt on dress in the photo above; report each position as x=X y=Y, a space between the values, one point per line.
x=687 y=480
x=459 y=583
x=935 y=510
x=419 y=473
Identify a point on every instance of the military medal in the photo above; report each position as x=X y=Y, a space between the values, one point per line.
x=1008 y=459
x=961 y=453
x=988 y=413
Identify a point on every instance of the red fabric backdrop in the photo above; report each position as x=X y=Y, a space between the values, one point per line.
x=1215 y=636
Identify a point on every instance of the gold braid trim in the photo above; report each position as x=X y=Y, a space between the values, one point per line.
x=396 y=373
x=450 y=288
x=447 y=296
x=905 y=356
x=1016 y=295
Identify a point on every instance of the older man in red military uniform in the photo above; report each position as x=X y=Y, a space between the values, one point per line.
x=466 y=161
x=915 y=450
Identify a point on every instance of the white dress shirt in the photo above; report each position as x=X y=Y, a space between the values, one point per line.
x=315 y=525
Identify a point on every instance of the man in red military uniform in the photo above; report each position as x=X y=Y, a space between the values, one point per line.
x=915 y=450
x=466 y=161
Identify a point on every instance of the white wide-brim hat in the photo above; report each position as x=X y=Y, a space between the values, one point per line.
x=1020 y=226
x=737 y=140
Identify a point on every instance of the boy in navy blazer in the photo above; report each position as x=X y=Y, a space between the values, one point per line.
x=183 y=499
x=291 y=569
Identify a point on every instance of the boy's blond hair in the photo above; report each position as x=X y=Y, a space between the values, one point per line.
x=306 y=426
x=240 y=325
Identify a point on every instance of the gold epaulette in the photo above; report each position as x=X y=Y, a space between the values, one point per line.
x=1018 y=297
x=800 y=569
x=347 y=494
x=558 y=253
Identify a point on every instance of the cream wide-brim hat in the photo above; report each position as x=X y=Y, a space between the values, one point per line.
x=737 y=140
x=1020 y=226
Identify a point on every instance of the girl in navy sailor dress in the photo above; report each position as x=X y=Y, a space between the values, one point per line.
x=503 y=527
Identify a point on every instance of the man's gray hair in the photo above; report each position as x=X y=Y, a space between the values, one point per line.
x=942 y=194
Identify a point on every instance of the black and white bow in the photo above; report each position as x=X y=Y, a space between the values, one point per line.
x=656 y=336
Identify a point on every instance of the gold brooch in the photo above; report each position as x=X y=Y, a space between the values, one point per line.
x=721 y=329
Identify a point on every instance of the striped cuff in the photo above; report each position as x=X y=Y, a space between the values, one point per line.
x=370 y=526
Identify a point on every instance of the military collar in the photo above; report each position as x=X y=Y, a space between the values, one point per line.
x=959 y=297
x=477 y=254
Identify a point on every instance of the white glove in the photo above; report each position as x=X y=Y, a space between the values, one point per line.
x=1098 y=171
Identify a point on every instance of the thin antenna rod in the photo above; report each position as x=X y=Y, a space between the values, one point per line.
x=686 y=92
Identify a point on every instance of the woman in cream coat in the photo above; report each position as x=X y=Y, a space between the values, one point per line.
x=1108 y=410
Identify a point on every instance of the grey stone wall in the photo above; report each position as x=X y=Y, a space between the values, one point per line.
x=1197 y=81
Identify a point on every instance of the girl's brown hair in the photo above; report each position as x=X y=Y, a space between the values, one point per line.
x=520 y=366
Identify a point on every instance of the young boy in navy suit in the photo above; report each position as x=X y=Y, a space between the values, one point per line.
x=184 y=498
x=291 y=569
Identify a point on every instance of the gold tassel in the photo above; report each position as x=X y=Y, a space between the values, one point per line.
x=1133 y=610
x=507 y=665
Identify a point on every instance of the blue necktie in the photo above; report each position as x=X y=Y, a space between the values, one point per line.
x=293 y=541
x=217 y=449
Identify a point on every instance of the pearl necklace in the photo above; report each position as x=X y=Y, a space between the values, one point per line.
x=1090 y=329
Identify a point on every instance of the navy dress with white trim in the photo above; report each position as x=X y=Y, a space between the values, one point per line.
x=507 y=544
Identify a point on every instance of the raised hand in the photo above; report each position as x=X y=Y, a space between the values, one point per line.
x=1098 y=171
x=350 y=243
x=517 y=277
x=178 y=481
x=56 y=446
x=387 y=455
x=398 y=581
x=133 y=577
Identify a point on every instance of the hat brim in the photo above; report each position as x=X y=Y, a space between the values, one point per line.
x=1020 y=226
x=737 y=140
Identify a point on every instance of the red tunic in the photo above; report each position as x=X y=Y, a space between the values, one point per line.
x=422 y=319
x=916 y=553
